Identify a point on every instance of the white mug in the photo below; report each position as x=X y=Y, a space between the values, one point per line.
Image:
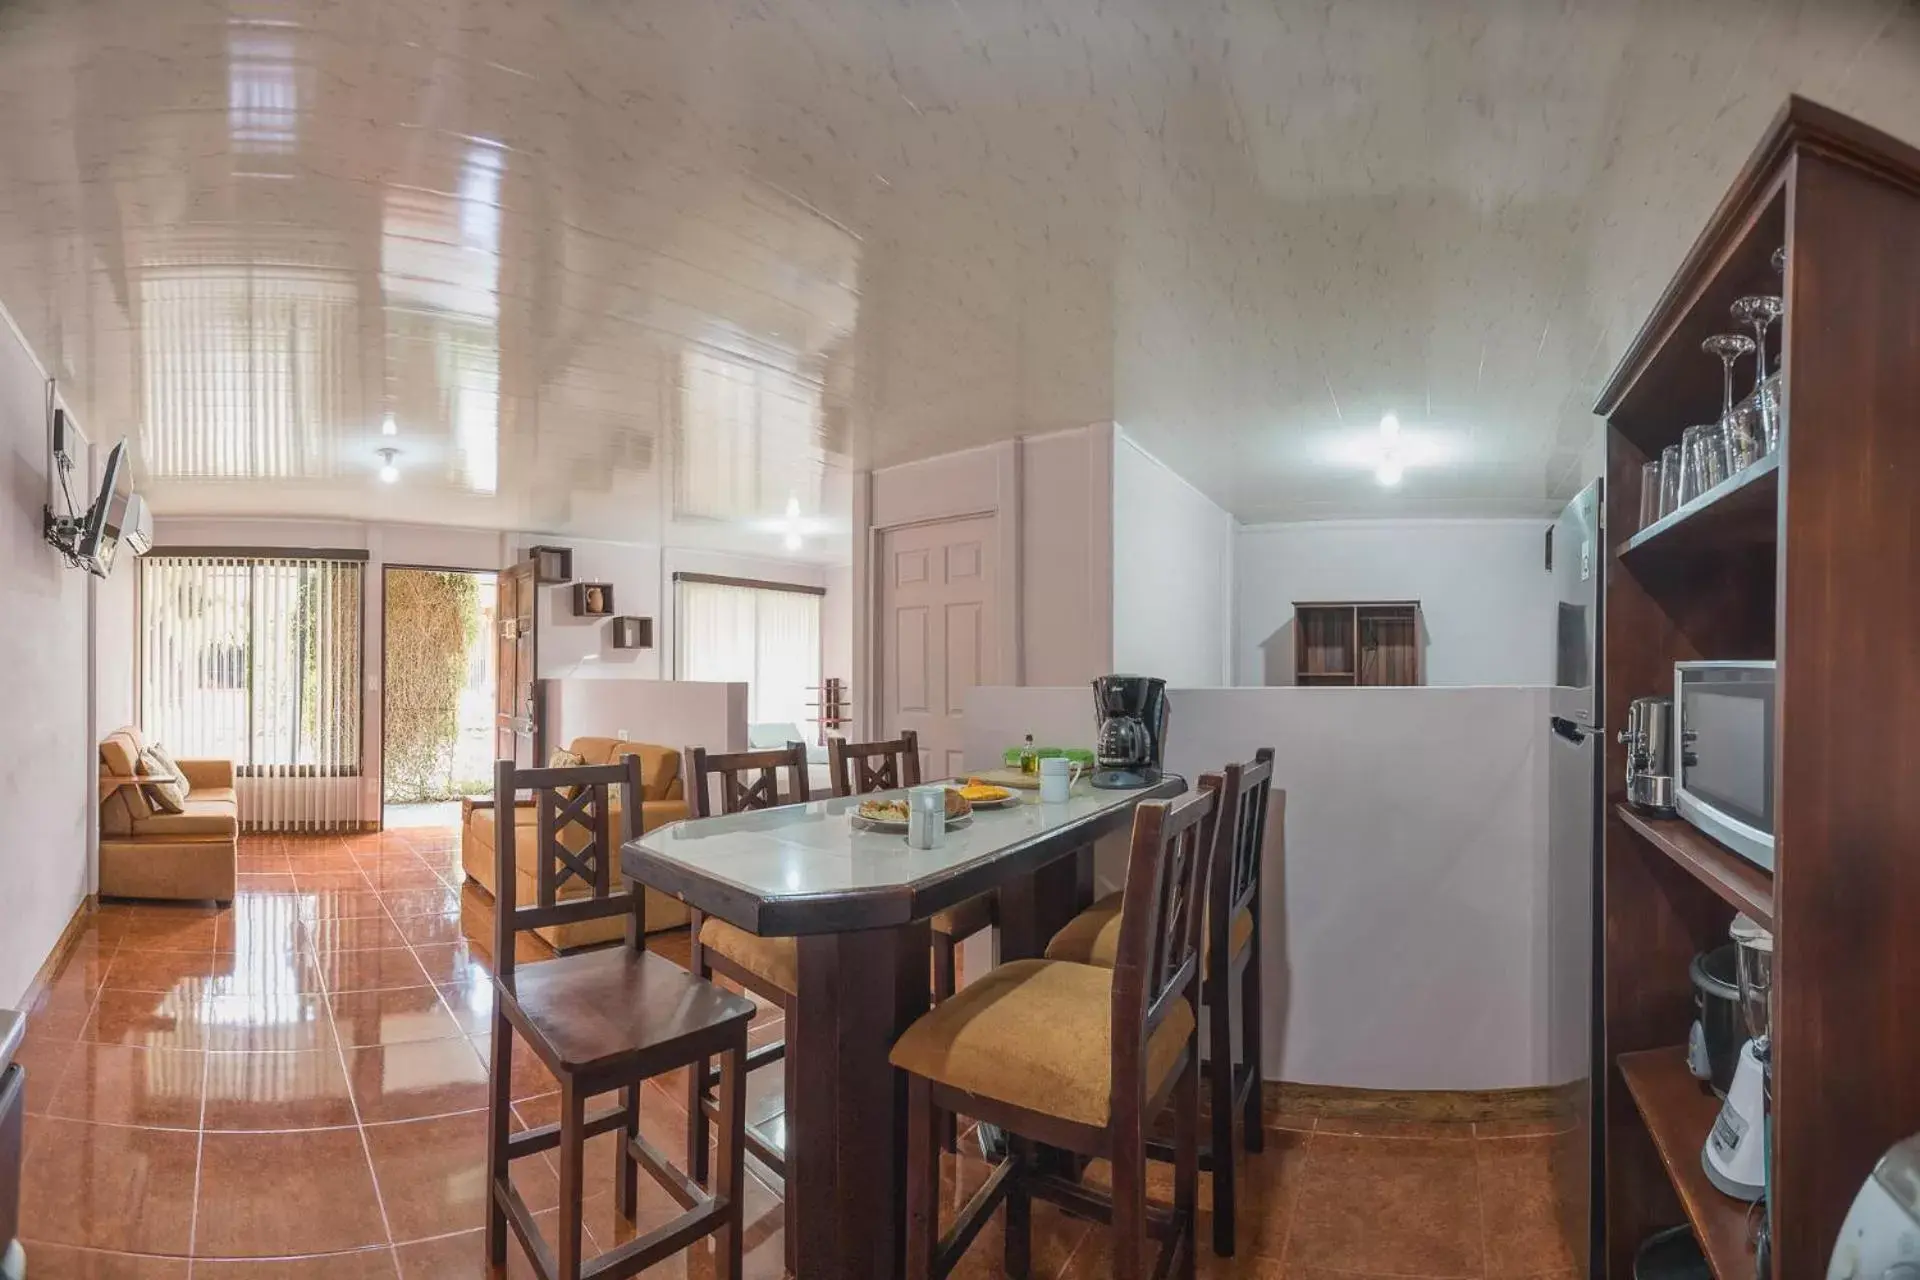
x=1057 y=776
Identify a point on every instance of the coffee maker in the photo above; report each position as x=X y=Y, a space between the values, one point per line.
x=1133 y=731
x=1648 y=738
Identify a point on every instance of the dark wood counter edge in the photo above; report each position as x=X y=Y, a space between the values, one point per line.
x=1731 y=878
x=800 y=915
x=1800 y=122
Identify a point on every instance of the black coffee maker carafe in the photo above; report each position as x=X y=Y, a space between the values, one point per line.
x=1133 y=731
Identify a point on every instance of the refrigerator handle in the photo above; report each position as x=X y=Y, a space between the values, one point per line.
x=1570 y=730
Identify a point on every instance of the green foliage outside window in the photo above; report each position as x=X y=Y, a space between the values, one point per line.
x=431 y=623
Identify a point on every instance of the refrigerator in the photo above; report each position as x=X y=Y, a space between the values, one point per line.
x=1576 y=558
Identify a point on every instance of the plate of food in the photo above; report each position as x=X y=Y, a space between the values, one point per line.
x=985 y=795
x=889 y=813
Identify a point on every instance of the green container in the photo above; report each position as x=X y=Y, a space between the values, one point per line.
x=1079 y=755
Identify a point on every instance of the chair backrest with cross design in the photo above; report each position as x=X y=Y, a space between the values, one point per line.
x=746 y=780
x=566 y=803
x=857 y=768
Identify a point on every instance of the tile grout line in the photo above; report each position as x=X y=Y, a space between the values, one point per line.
x=1299 y=1192
x=1480 y=1204
x=353 y=1099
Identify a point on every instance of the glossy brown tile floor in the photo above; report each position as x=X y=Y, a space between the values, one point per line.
x=295 y=1087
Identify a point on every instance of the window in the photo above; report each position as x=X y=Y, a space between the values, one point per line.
x=253 y=659
x=764 y=634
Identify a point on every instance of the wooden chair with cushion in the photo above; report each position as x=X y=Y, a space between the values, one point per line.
x=601 y=1021
x=858 y=768
x=768 y=967
x=1231 y=968
x=1079 y=1058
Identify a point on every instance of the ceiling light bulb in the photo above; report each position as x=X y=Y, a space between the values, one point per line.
x=1389 y=426
x=793 y=542
x=388 y=472
x=388 y=427
x=1388 y=473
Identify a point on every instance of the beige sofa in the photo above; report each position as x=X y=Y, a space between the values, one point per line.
x=662 y=801
x=145 y=853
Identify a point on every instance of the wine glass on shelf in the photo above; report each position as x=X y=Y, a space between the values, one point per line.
x=1759 y=312
x=1729 y=347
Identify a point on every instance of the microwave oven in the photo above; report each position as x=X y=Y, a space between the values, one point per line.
x=1723 y=716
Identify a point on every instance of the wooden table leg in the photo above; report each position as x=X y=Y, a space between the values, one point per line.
x=846 y=1130
x=1035 y=907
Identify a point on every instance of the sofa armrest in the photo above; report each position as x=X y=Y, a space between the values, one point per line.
x=655 y=814
x=207 y=773
x=112 y=782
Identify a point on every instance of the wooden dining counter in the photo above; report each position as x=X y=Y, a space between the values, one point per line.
x=858 y=903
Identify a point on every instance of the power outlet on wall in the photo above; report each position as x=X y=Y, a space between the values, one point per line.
x=620 y=734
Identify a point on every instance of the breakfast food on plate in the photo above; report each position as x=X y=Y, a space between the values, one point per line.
x=884 y=810
x=895 y=810
x=977 y=792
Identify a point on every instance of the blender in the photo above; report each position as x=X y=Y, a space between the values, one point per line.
x=1735 y=1157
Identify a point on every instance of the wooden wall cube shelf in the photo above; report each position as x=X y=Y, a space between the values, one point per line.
x=1349 y=643
x=551 y=565
x=593 y=599
x=633 y=633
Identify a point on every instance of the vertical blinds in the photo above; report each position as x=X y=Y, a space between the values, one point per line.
x=253 y=659
x=767 y=637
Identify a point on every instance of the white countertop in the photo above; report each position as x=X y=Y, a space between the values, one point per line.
x=805 y=850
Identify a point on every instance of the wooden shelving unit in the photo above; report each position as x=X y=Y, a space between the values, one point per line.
x=1356 y=642
x=1733 y=879
x=1803 y=559
x=1679 y=1111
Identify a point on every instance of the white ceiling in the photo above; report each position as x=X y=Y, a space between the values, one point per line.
x=667 y=270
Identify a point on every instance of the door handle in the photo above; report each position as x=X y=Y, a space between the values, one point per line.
x=1568 y=729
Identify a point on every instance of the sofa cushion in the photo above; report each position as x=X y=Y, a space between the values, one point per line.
x=659 y=766
x=203 y=819
x=168 y=790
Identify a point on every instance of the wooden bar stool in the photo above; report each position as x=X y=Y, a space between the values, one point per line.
x=768 y=967
x=1076 y=1057
x=600 y=1021
x=1230 y=987
x=857 y=768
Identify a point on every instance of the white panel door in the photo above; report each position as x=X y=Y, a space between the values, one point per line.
x=937 y=617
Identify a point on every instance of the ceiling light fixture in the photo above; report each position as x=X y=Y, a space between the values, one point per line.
x=388 y=427
x=1390 y=469
x=388 y=472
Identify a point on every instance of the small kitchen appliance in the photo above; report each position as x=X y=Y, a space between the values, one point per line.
x=1648 y=738
x=1735 y=1157
x=1723 y=716
x=1880 y=1239
x=1133 y=731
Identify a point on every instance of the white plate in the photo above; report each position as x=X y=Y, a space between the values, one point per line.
x=1005 y=803
x=900 y=828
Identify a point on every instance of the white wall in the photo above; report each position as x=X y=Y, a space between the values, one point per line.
x=1486 y=599
x=667 y=713
x=47 y=758
x=1173 y=586
x=1411 y=937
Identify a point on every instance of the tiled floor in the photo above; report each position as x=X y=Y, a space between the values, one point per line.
x=296 y=1088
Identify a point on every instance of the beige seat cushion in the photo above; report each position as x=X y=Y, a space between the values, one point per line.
x=775 y=961
x=659 y=766
x=1093 y=936
x=203 y=818
x=1036 y=1034
x=965 y=920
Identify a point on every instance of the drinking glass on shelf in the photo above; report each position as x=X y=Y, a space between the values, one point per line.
x=1703 y=460
x=1759 y=312
x=1745 y=435
x=1780 y=261
x=1649 y=492
x=1774 y=425
x=1669 y=479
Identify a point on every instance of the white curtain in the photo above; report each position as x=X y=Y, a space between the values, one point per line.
x=257 y=660
x=768 y=638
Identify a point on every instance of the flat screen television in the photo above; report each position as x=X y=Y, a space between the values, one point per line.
x=117 y=515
